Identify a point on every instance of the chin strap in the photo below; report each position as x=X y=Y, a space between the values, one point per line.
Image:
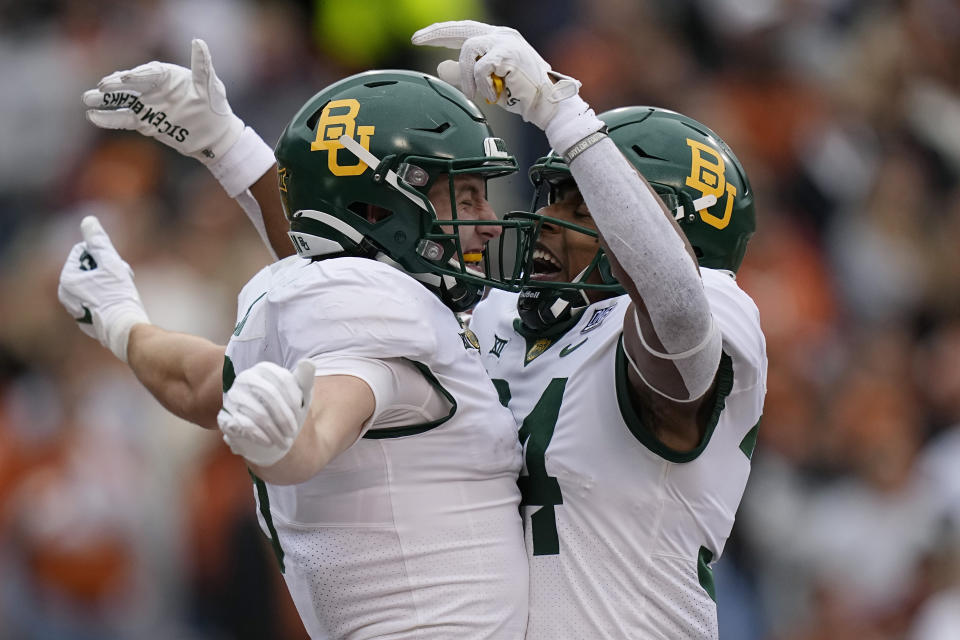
x=542 y=308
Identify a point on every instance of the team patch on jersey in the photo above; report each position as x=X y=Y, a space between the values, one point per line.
x=498 y=345
x=538 y=347
x=599 y=315
x=470 y=340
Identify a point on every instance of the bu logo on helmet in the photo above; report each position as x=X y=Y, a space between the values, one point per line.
x=707 y=176
x=333 y=125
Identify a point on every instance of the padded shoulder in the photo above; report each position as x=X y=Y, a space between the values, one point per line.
x=495 y=306
x=353 y=306
x=739 y=322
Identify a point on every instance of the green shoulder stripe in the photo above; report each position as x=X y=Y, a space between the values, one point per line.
x=641 y=433
x=415 y=429
x=237 y=329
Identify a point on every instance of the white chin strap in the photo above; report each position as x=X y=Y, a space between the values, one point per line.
x=562 y=305
x=698 y=205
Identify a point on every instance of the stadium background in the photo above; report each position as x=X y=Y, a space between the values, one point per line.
x=118 y=521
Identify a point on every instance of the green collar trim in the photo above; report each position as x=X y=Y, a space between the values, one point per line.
x=415 y=429
x=538 y=343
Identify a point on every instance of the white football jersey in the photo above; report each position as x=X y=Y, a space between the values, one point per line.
x=621 y=531
x=414 y=530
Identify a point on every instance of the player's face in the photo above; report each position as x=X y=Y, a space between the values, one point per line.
x=562 y=253
x=470 y=196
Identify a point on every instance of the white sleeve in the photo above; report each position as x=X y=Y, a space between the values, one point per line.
x=402 y=395
x=646 y=244
x=242 y=165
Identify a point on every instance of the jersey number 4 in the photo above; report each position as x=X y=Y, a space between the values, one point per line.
x=538 y=488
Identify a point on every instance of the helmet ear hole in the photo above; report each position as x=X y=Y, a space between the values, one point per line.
x=369 y=212
x=359 y=208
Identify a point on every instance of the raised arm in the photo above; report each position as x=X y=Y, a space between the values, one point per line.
x=267 y=415
x=181 y=371
x=187 y=110
x=669 y=332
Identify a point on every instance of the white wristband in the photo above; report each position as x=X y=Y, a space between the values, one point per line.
x=583 y=145
x=243 y=164
x=117 y=330
x=573 y=121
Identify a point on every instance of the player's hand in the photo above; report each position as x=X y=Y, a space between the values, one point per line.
x=264 y=410
x=497 y=64
x=96 y=287
x=186 y=109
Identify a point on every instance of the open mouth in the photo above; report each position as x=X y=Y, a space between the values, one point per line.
x=546 y=266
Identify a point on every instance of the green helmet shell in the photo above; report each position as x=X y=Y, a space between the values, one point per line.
x=417 y=128
x=689 y=166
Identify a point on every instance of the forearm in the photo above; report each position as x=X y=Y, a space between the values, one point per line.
x=183 y=372
x=265 y=194
x=647 y=244
x=310 y=453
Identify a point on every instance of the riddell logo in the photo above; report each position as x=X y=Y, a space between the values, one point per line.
x=707 y=176
x=333 y=125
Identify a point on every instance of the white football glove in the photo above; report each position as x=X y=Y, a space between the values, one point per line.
x=185 y=109
x=96 y=287
x=502 y=67
x=264 y=410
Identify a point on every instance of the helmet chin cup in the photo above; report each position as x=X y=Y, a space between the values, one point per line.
x=541 y=309
x=458 y=295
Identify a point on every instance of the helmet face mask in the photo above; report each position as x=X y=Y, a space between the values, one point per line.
x=697 y=177
x=356 y=166
x=548 y=301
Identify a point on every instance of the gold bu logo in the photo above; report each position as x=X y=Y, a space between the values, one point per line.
x=707 y=176
x=339 y=118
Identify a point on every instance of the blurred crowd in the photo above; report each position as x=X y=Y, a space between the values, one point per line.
x=119 y=521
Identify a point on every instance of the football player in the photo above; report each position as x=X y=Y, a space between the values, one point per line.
x=384 y=466
x=632 y=362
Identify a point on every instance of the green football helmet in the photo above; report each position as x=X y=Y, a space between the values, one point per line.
x=694 y=172
x=378 y=141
